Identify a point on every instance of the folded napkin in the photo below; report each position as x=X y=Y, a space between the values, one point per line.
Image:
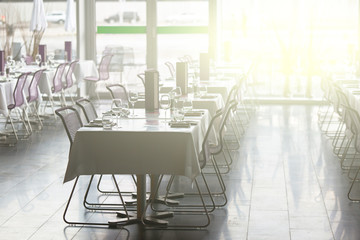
x=208 y=96
x=193 y=114
x=97 y=124
x=191 y=122
x=98 y=120
x=180 y=125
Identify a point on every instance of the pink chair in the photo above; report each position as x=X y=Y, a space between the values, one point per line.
x=19 y=100
x=69 y=81
x=57 y=87
x=33 y=94
x=103 y=73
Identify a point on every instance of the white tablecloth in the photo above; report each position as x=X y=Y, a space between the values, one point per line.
x=211 y=102
x=141 y=146
x=6 y=96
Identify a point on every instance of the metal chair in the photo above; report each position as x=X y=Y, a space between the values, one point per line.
x=57 y=88
x=205 y=158
x=19 y=101
x=88 y=109
x=354 y=133
x=69 y=81
x=72 y=122
x=103 y=73
x=33 y=94
x=171 y=69
x=141 y=76
x=118 y=91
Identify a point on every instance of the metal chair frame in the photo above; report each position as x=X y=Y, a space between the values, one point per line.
x=64 y=114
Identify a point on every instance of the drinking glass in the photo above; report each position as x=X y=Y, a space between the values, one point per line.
x=187 y=105
x=22 y=61
x=38 y=59
x=107 y=120
x=178 y=114
x=116 y=107
x=177 y=92
x=165 y=103
x=8 y=60
x=124 y=109
x=50 y=59
x=203 y=90
x=133 y=98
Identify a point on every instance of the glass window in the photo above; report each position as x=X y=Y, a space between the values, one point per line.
x=296 y=42
x=121 y=30
x=16 y=17
x=182 y=31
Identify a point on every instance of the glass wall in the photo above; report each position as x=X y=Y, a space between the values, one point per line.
x=15 y=24
x=121 y=30
x=184 y=25
x=295 y=42
x=182 y=30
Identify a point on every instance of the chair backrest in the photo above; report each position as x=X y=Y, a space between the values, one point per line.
x=88 y=109
x=118 y=91
x=341 y=102
x=232 y=94
x=71 y=121
x=33 y=86
x=355 y=126
x=171 y=69
x=18 y=91
x=220 y=119
x=69 y=74
x=104 y=67
x=142 y=77
x=57 y=80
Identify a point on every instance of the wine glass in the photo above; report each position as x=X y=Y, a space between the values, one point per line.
x=203 y=90
x=133 y=98
x=50 y=59
x=177 y=92
x=22 y=61
x=8 y=60
x=124 y=110
x=116 y=107
x=38 y=59
x=165 y=103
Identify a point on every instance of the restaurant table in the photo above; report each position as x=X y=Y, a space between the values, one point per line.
x=212 y=102
x=220 y=86
x=143 y=145
x=6 y=95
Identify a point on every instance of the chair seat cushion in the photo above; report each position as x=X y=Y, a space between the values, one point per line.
x=91 y=78
x=11 y=106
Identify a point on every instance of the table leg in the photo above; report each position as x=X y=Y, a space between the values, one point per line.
x=141 y=194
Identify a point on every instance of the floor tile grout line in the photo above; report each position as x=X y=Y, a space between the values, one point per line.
x=318 y=182
x=48 y=186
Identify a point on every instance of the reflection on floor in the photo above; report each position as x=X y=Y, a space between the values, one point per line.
x=285 y=184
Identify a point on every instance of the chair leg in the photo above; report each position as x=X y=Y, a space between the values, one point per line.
x=125 y=221
x=12 y=125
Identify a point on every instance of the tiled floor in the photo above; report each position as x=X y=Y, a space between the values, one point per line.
x=285 y=184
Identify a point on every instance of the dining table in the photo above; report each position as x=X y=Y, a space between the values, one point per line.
x=7 y=83
x=147 y=143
